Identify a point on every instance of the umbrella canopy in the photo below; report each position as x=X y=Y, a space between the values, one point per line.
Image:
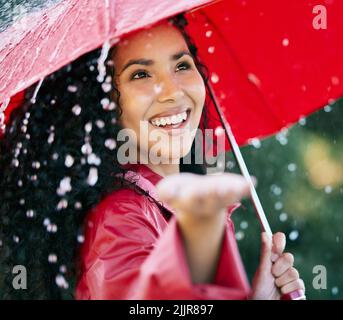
x=269 y=62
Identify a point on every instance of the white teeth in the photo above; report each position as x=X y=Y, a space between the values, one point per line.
x=174 y=119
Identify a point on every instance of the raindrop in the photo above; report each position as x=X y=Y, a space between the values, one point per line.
x=78 y=205
x=88 y=127
x=285 y=42
x=107 y=105
x=16 y=239
x=51 y=137
x=64 y=186
x=106 y=87
x=52 y=101
x=334 y=290
x=335 y=81
x=15 y=163
x=327 y=108
x=86 y=148
x=244 y=225
x=230 y=164
x=72 y=88
x=63 y=268
x=69 y=161
x=34 y=96
x=55 y=156
x=214 y=78
x=46 y=222
x=100 y=124
x=337 y=239
x=110 y=144
x=281 y=138
x=20 y=183
x=23 y=129
x=52 y=228
x=93 y=159
x=211 y=49
x=283 y=216
x=30 y=213
x=302 y=121
x=80 y=238
x=276 y=189
x=52 y=258
x=239 y=235
x=61 y=282
x=22 y=202
x=293 y=235
x=92 y=176
x=328 y=189
x=254 y=79
x=255 y=142
x=292 y=167
x=278 y=205
x=36 y=165
x=219 y=131
x=62 y=204
x=76 y=109
x=27 y=137
x=208 y=33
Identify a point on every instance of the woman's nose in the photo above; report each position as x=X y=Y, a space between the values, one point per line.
x=169 y=89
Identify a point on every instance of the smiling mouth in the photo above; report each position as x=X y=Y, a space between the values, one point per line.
x=174 y=121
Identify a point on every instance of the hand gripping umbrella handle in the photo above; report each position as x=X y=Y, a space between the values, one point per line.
x=294 y=295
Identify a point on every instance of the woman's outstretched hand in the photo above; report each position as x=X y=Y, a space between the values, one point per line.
x=201 y=203
x=275 y=275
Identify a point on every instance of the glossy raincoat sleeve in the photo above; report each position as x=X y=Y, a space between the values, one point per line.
x=131 y=259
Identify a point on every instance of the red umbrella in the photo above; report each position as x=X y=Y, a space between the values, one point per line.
x=271 y=62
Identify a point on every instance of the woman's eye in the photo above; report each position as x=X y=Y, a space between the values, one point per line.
x=184 y=65
x=133 y=77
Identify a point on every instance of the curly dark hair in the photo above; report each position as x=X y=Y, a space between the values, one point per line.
x=58 y=160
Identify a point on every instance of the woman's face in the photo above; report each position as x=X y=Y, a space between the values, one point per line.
x=159 y=84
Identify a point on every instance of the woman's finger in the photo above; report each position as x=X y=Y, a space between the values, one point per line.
x=290 y=275
x=279 y=244
x=282 y=264
x=293 y=286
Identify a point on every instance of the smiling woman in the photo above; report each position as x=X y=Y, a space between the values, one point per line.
x=87 y=226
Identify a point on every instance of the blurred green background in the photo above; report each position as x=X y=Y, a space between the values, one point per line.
x=300 y=185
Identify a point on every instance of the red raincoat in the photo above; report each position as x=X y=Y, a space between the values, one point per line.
x=133 y=250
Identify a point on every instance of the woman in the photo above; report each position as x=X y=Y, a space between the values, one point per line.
x=83 y=222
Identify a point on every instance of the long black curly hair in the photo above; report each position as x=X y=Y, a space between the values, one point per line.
x=57 y=161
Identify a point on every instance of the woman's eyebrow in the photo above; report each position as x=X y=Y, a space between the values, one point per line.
x=147 y=62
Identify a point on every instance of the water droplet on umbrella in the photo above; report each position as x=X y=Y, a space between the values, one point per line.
x=214 y=78
x=69 y=161
x=285 y=42
x=283 y=216
x=92 y=176
x=303 y=88
x=76 y=109
x=335 y=81
x=293 y=235
x=211 y=49
x=208 y=33
x=254 y=79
